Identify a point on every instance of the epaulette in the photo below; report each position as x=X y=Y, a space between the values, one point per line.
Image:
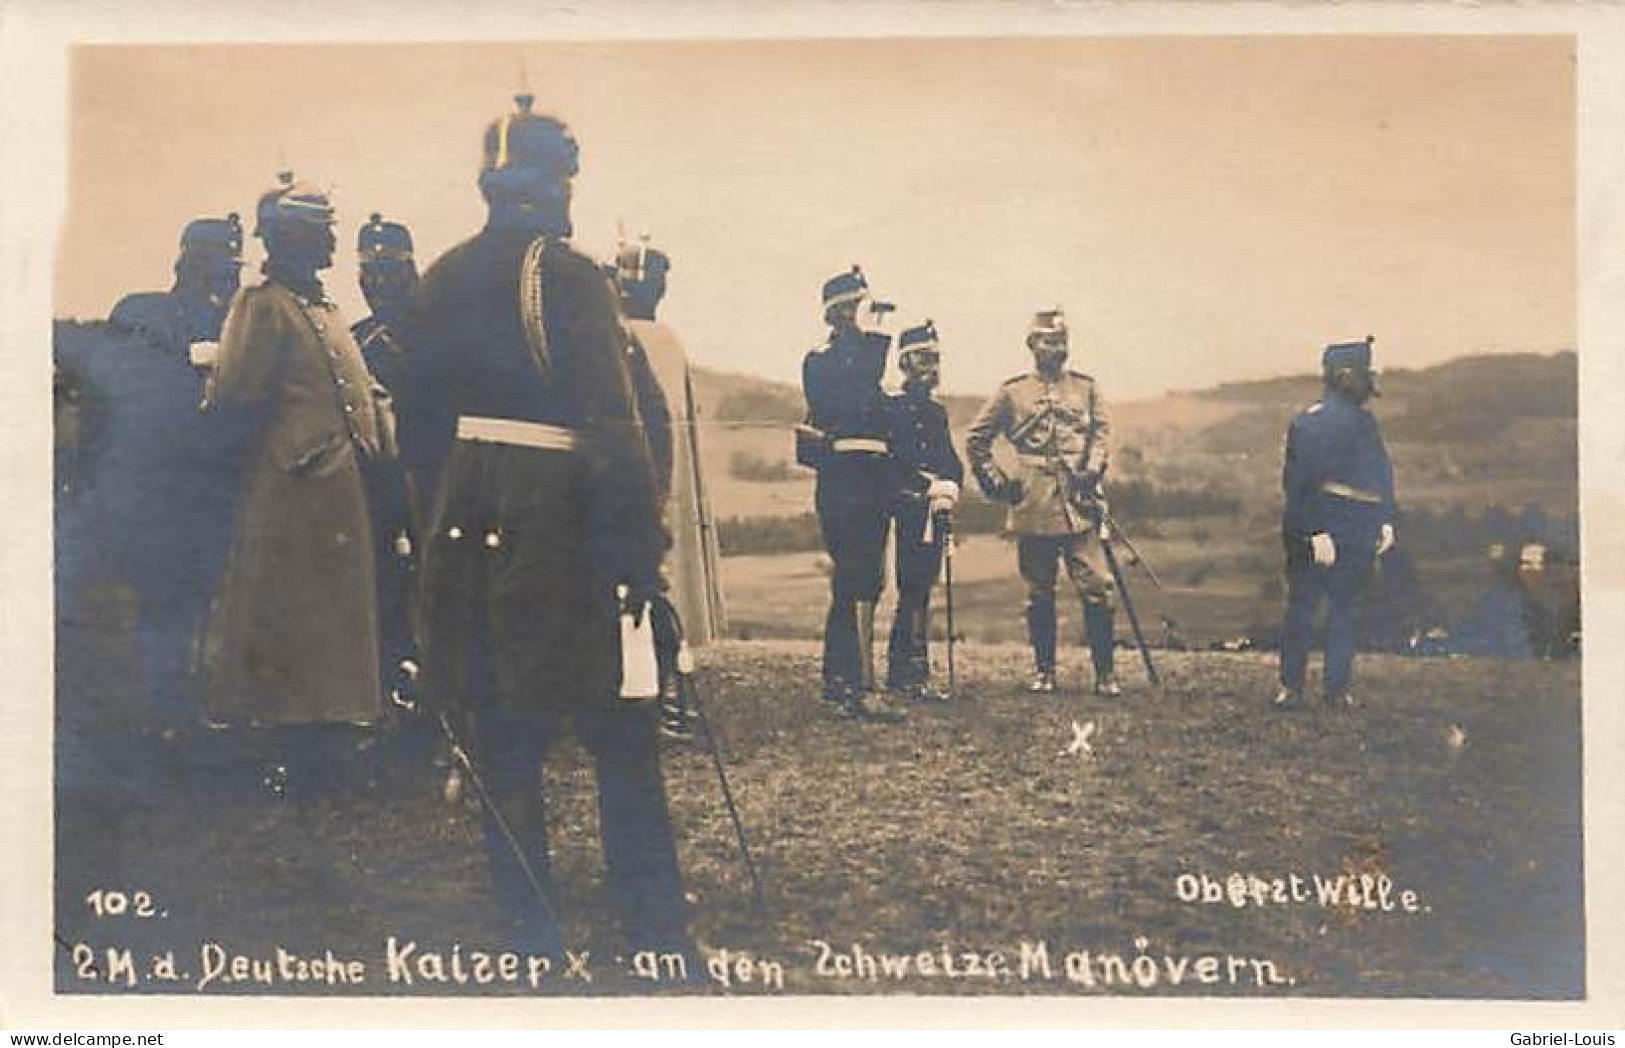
x=1015 y=379
x=1313 y=408
x=1079 y=374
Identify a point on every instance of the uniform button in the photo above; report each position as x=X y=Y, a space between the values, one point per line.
x=493 y=539
x=349 y=409
x=454 y=533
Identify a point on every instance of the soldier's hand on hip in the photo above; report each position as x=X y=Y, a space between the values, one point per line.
x=1385 y=539
x=1323 y=549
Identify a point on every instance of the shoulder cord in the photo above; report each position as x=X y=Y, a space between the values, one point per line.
x=531 y=309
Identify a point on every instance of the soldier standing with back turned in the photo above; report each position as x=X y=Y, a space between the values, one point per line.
x=1056 y=421
x=1339 y=488
x=846 y=410
x=547 y=507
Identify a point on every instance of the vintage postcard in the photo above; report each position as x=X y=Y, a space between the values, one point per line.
x=905 y=507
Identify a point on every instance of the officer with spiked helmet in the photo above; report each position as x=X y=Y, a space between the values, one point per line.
x=1055 y=420
x=845 y=440
x=207 y=275
x=294 y=640
x=1338 y=522
x=388 y=276
x=547 y=512
x=928 y=474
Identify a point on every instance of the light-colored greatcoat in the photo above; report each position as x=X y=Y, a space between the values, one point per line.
x=294 y=636
x=691 y=564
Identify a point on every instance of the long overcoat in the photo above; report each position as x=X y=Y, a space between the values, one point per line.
x=294 y=635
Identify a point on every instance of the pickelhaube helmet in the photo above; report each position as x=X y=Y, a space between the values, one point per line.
x=1047 y=323
x=845 y=287
x=639 y=262
x=1340 y=355
x=379 y=240
x=292 y=203
x=919 y=339
x=526 y=140
x=217 y=235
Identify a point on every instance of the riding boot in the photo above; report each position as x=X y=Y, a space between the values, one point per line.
x=867 y=702
x=1041 y=633
x=1098 y=622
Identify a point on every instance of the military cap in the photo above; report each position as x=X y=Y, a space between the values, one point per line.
x=292 y=202
x=920 y=339
x=1339 y=355
x=383 y=240
x=845 y=287
x=224 y=235
x=526 y=140
x=639 y=261
x=1047 y=322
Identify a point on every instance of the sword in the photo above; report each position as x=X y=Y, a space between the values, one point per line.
x=461 y=755
x=1128 y=605
x=691 y=694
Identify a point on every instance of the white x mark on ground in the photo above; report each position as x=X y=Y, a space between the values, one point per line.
x=1081 y=734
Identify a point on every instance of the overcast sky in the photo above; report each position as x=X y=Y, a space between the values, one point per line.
x=1204 y=208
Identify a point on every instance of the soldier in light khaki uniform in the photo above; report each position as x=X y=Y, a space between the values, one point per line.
x=1056 y=422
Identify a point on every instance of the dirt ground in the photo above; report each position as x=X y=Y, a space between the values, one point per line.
x=1055 y=845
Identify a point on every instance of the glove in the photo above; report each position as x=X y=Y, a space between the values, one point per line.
x=1323 y=549
x=1385 y=539
x=942 y=495
x=403 y=688
x=1084 y=484
x=636 y=595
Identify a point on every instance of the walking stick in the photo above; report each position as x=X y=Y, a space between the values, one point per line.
x=945 y=528
x=461 y=755
x=1128 y=606
x=691 y=694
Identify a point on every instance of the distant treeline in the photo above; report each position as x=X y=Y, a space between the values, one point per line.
x=1135 y=500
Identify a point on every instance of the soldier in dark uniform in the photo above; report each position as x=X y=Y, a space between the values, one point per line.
x=846 y=409
x=928 y=473
x=207 y=275
x=388 y=277
x=152 y=480
x=1056 y=421
x=1339 y=489
x=547 y=505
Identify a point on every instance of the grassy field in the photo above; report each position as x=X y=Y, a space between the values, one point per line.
x=977 y=827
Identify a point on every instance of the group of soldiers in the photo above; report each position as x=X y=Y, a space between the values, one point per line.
x=461 y=501
x=451 y=506
x=886 y=464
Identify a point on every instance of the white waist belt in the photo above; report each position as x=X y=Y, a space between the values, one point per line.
x=516 y=432
x=859 y=445
x=1349 y=491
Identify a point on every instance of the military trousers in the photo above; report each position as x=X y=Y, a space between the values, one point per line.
x=916 y=564
x=1341 y=587
x=1039 y=557
x=853 y=500
x=640 y=856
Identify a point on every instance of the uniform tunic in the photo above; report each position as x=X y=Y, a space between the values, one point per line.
x=853 y=494
x=1059 y=430
x=294 y=638
x=922 y=449
x=1337 y=479
x=526 y=545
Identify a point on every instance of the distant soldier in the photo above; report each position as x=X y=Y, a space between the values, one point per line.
x=294 y=639
x=389 y=276
x=845 y=440
x=1339 y=490
x=547 y=506
x=206 y=277
x=928 y=473
x=691 y=564
x=151 y=477
x=1056 y=422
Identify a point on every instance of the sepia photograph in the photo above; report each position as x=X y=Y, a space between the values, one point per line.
x=996 y=515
